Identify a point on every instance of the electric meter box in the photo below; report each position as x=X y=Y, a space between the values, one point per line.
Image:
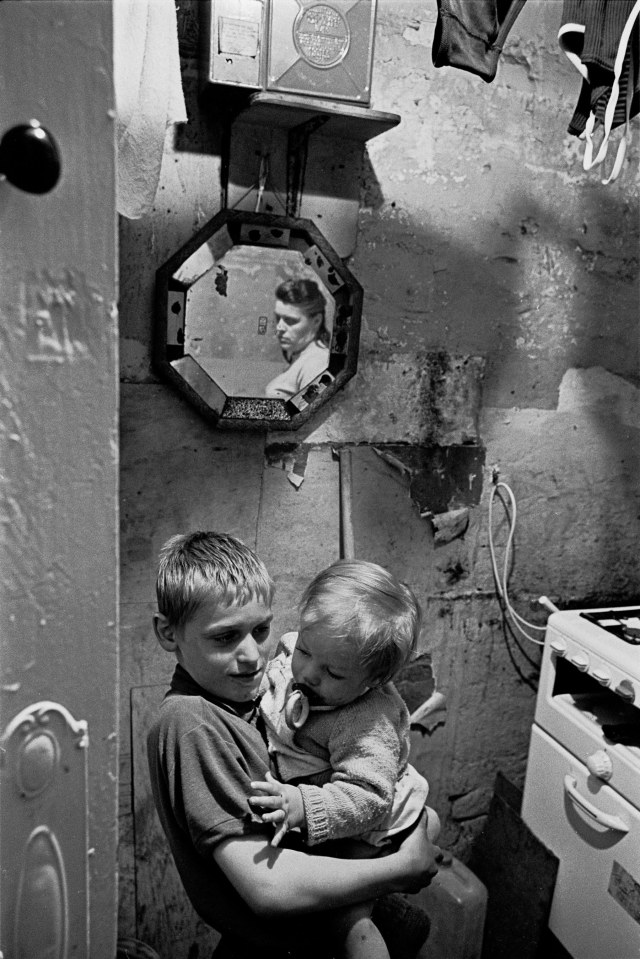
x=234 y=48
x=301 y=47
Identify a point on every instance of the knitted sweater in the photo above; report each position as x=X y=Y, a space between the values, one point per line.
x=352 y=760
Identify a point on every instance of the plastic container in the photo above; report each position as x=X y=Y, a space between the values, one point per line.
x=456 y=902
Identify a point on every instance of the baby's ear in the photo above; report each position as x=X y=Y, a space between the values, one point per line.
x=165 y=632
x=377 y=681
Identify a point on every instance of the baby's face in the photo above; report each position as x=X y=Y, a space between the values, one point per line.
x=328 y=670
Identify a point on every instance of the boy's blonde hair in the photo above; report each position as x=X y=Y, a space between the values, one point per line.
x=365 y=604
x=199 y=565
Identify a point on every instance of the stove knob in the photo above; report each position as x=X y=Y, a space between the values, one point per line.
x=558 y=646
x=603 y=678
x=599 y=764
x=580 y=661
x=626 y=690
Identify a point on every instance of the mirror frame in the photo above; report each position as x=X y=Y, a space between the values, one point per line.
x=186 y=375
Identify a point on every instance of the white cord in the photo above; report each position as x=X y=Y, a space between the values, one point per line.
x=501 y=582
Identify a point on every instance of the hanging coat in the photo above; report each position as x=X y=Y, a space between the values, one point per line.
x=470 y=34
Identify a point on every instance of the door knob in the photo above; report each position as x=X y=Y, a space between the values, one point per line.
x=30 y=158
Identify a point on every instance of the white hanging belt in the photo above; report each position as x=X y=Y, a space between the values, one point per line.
x=589 y=161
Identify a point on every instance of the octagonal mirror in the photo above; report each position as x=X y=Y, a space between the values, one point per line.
x=258 y=320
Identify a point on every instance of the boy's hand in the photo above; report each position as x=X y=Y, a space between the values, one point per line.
x=283 y=805
x=421 y=855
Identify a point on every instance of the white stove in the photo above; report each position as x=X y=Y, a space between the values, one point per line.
x=582 y=787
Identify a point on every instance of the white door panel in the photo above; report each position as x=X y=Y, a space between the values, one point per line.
x=58 y=490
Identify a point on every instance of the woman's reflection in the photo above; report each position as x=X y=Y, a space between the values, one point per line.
x=303 y=335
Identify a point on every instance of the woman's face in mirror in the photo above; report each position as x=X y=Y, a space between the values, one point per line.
x=294 y=329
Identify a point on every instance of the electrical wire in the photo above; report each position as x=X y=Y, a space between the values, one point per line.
x=501 y=580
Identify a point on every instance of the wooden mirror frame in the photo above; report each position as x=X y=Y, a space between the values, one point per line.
x=185 y=374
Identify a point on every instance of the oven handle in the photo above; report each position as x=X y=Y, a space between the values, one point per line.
x=602 y=818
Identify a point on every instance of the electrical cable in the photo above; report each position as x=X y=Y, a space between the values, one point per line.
x=501 y=581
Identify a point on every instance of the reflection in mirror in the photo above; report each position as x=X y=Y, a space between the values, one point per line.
x=258 y=320
x=233 y=330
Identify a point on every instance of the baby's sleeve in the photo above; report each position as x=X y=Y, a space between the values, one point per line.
x=365 y=749
x=286 y=644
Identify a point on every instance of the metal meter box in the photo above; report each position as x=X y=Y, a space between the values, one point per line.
x=322 y=49
x=303 y=47
x=234 y=42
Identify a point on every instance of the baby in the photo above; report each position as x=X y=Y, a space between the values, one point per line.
x=338 y=730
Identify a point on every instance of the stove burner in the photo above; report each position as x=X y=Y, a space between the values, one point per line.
x=625 y=627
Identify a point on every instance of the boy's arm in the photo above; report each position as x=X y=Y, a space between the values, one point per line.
x=286 y=881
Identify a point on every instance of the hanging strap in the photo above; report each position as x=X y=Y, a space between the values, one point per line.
x=624 y=142
x=565 y=39
x=589 y=161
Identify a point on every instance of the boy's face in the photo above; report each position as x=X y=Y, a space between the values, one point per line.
x=328 y=670
x=225 y=649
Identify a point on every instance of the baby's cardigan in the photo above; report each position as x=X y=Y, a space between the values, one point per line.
x=365 y=745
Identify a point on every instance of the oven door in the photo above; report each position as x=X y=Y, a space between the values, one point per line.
x=573 y=708
x=595 y=833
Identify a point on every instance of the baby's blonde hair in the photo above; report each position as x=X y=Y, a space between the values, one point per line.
x=364 y=604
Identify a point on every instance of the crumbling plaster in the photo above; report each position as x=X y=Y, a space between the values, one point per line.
x=480 y=230
x=501 y=311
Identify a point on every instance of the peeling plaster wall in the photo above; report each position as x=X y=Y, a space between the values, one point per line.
x=500 y=312
x=478 y=216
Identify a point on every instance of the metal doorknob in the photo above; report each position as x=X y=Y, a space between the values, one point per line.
x=30 y=158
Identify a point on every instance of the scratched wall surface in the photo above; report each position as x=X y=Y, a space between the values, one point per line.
x=500 y=338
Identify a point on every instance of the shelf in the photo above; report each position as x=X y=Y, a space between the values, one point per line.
x=341 y=120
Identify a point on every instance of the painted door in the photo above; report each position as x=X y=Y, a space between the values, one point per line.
x=58 y=490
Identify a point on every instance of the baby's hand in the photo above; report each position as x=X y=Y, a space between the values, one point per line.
x=283 y=805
